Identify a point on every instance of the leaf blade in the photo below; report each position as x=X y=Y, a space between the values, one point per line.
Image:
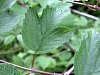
x=6 y=4
x=44 y=33
x=88 y=56
x=6 y=69
x=8 y=21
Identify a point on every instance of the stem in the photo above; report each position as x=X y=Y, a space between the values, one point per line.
x=28 y=69
x=21 y=3
x=9 y=52
x=33 y=62
x=84 y=14
x=72 y=49
x=69 y=71
x=83 y=4
x=34 y=56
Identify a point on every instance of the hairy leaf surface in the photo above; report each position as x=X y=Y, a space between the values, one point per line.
x=44 y=33
x=6 y=69
x=87 y=59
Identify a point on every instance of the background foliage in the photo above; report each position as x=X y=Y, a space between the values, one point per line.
x=12 y=47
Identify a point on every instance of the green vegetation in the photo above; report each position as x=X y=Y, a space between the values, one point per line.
x=49 y=37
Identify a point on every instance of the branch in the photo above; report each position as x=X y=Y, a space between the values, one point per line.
x=72 y=49
x=28 y=69
x=69 y=71
x=83 y=4
x=21 y=3
x=9 y=52
x=84 y=14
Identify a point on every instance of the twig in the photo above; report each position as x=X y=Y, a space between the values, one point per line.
x=8 y=52
x=91 y=6
x=57 y=54
x=28 y=69
x=22 y=4
x=72 y=49
x=69 y=71
x=84 y=14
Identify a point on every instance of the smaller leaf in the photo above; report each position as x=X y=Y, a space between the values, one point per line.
x=65 y=56
x=28 y=60
x=20 y=40
x=44 y=61
x=5 y=4
x=82 y=21
x=8 y=21
x=9 y=39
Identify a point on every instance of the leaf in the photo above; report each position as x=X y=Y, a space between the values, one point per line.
x=20 y=40
x=19 y=10
x=8 y=21
x=44 y=33
x=87 y=59
x=9 y=39
x=44 y=61
x=5 y=4
x=82 y=21
x=6 y=69
x=65 y=56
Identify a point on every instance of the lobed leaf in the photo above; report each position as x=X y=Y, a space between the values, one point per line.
x=44 y=33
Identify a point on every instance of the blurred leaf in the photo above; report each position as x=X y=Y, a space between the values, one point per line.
x=70 y=62
x=82 y=21
x=97 y=25
x=5 y=4
x=44 y=33
x=20 y=40
x=87 y=59
x=69 y=21
x=45 y=61
x=65 y=56
x=19 y=10
x=8 y=21
x=6 y=69
x=76 y=41
x=9 y=39
x=28 y=61
x=17 y=60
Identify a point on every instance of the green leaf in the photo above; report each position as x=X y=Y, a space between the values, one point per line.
x=5 y=4
x=20 y=40
x=6 y=69
x=87 y=59
x=44 y=33
x=9 y=39
x=8 y=21
x=19 y=10
x=65 y=56
x=82 y=21
x=44 y=61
